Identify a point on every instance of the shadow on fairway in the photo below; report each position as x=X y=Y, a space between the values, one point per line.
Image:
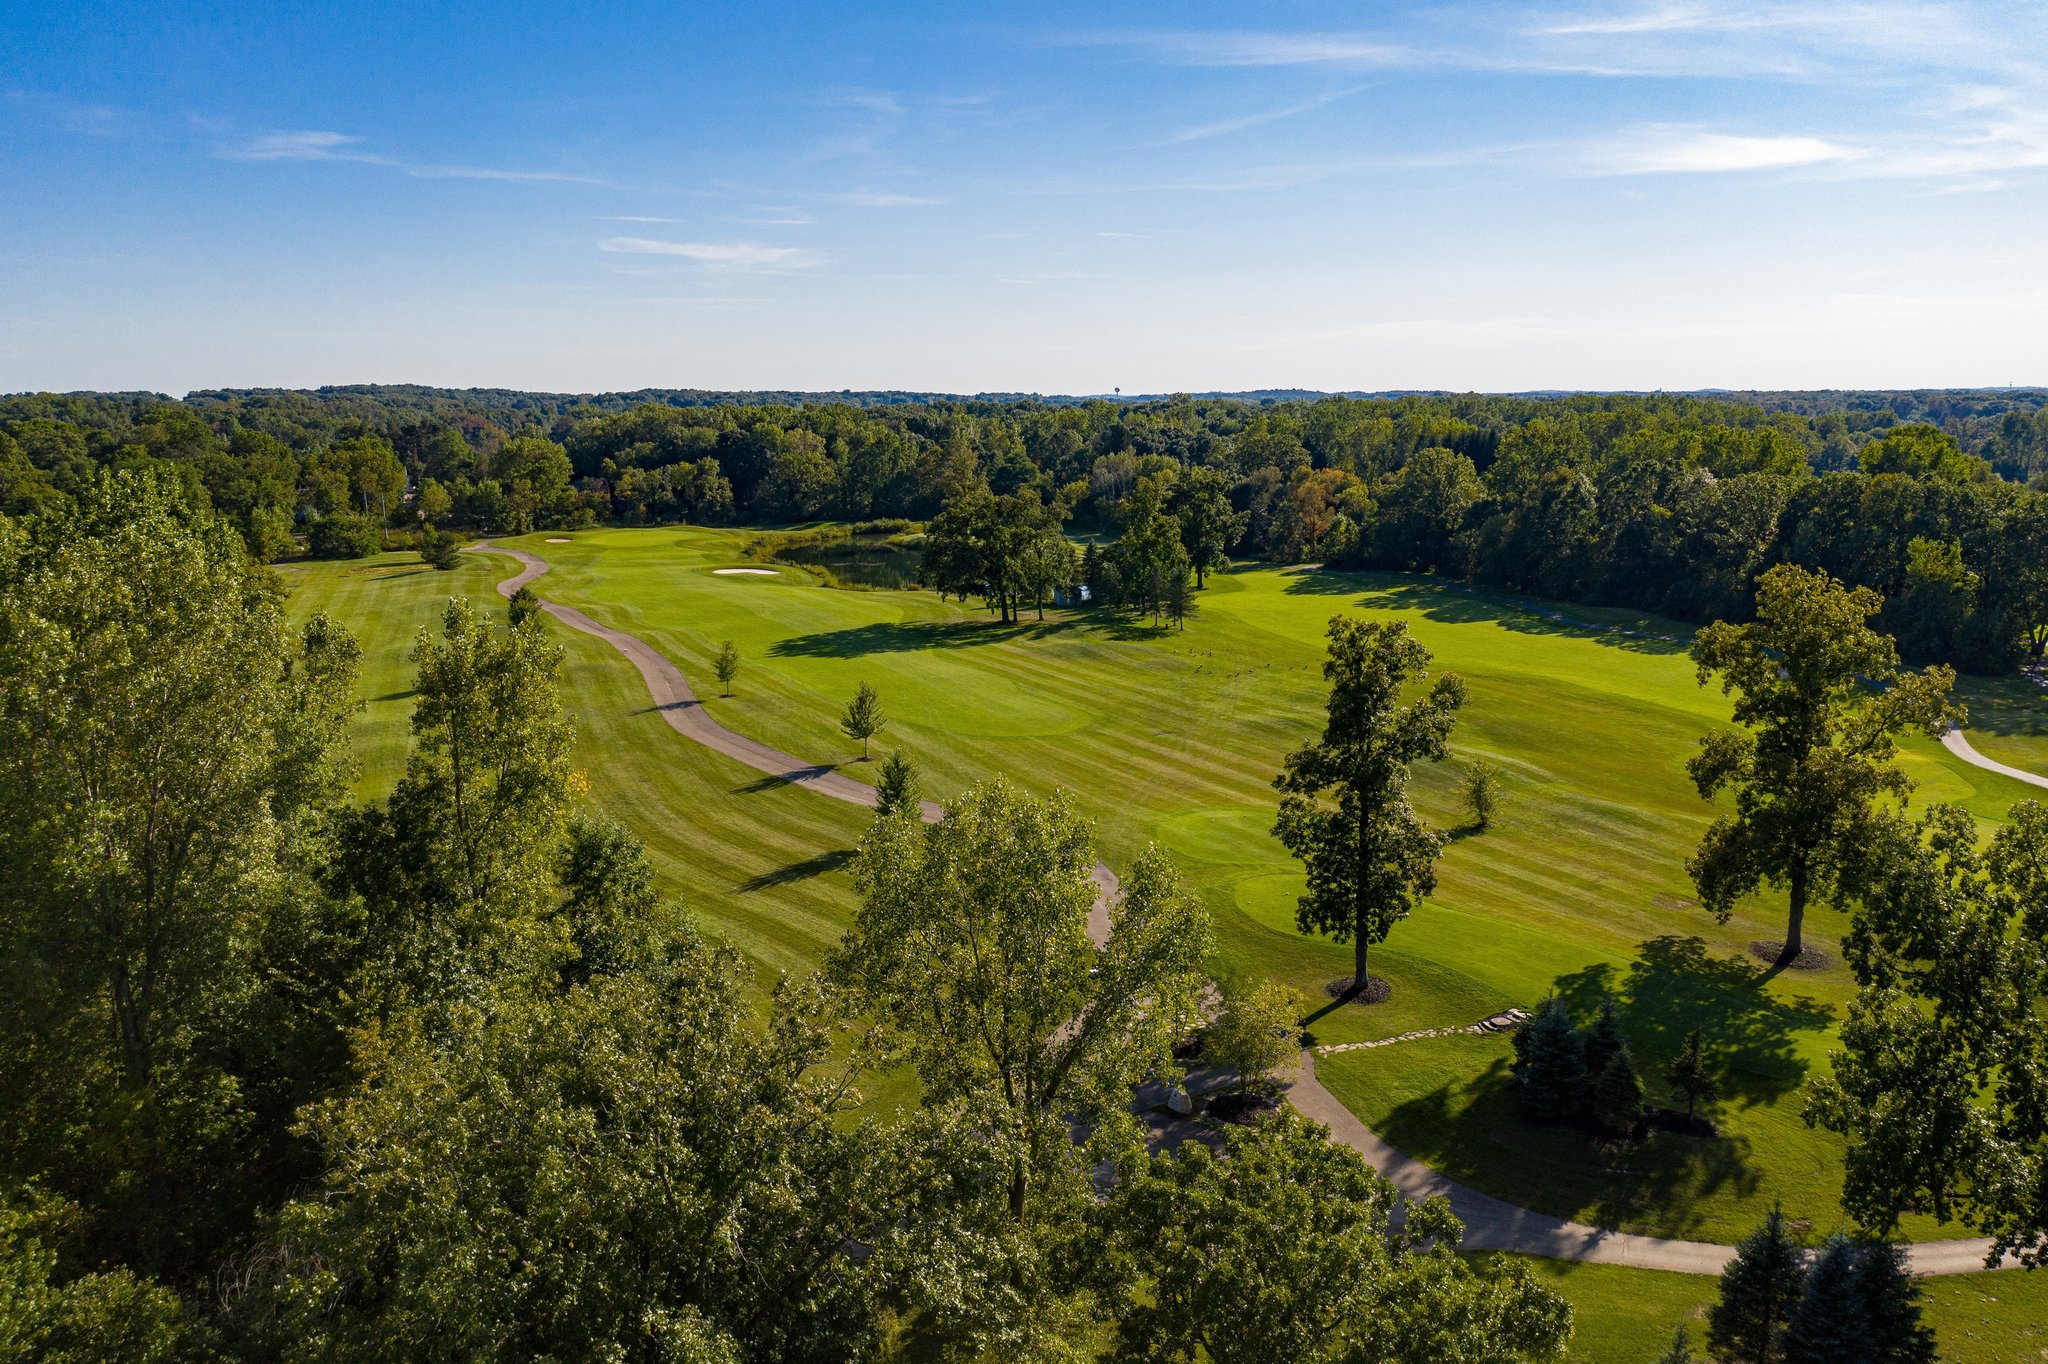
x=799 y=871
x=1474 y=1132
x=2012 y=707
x=899 y=637
x=1674 y=986
x=1451 y=603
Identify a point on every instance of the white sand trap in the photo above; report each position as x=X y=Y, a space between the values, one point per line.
x=728 y=572
x=558 y=539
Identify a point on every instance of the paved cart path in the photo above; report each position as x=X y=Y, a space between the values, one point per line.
x=1490 y=1223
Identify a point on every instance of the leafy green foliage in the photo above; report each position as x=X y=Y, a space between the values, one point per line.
x=1483 y=791
x=863 y=719
x=972 y=943
x=1617 y=1094
x=1282 y=1249
x=1937 y=1081
x=1344 y=807
x=1257 y=1035
x=1691 y=1073
x=1823 y=702
x=343 y=535
x=169 y=759
x=726 y=665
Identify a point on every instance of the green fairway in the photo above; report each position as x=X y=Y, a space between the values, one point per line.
x=1174 y=737
x=753 y=859
x=1626 y=1316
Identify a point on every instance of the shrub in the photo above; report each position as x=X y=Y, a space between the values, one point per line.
x=343 y=536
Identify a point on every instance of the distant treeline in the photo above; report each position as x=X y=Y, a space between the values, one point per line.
x=1662 y=502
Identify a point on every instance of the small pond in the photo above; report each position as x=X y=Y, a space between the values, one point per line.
x=860 y=560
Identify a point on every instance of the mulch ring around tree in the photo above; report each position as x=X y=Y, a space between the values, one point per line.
x=1810 y=959
x=1376 y=991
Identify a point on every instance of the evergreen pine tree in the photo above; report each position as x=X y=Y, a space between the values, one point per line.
x=1180 y=598
x=1691 y=1075
x=896 y=786
x=1827 y=1327
x=1680 y=1350
x=1759 y=1289
x=522 y=605
x=1888 y=1303
x=1603 y=1039
x=1550 y=1064
x=1618 y=1094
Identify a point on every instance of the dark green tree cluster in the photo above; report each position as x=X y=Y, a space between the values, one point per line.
x=1854 y=1303
x=1672 y=504
x=1563 y=1072
x=1007 y=550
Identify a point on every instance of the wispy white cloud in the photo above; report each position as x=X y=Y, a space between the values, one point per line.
x=1666 y=149
x=742 y=255
x=320 y=145
x=1248 y=48
x=867 y=198
x=636 y=218
x=1226 y=126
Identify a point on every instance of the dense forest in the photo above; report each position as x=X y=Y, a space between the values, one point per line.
x=1936 y=500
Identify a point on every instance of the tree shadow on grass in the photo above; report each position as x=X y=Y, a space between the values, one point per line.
x=899 y=637
x=1674 y=985
x=799 y=871
x=1453 y=603
x=1476 y=1129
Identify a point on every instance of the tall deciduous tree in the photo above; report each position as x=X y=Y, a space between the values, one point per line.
x=972 y=941
x=1283 y=1249
x=1937 y=1083
x=169 y=753
x=1344 y=807
x=1199 y=502
x=1823 y=703
x=459 y=870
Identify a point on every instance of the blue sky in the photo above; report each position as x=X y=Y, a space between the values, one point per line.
x=1059 y=198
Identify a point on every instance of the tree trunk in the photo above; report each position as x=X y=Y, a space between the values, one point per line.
x=1797 y=917
x=1359 y=947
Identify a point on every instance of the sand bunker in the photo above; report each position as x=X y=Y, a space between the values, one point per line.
x=724 y=572
x=558 y=539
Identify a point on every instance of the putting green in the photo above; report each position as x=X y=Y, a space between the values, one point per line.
x=1174 y=737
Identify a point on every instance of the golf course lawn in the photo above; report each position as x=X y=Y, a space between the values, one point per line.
x=1173 y=737
x=1627 y=1316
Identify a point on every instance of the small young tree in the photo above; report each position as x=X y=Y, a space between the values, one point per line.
x=1826 y=1327
x=1180 y=599
x=1691 y=1074
x=1680 y=1349
x=1550 y=1064
x=1888 y=1304
x=1759 y=1289
x=1484 y=791
x=1618 y=1094
x=1256 y=1035
x=727 y=666
x=437 y=548
x=863 y=719
x=522 y=605
x=896 y=786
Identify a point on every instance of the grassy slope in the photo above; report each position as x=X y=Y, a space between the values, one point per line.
x=1173 y=737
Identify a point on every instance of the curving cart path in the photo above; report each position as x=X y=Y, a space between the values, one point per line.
x=1490 y=1223
x=1955 y=743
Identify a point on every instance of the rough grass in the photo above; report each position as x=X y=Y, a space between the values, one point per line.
x=1173 y=737
x=1627 y=1316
